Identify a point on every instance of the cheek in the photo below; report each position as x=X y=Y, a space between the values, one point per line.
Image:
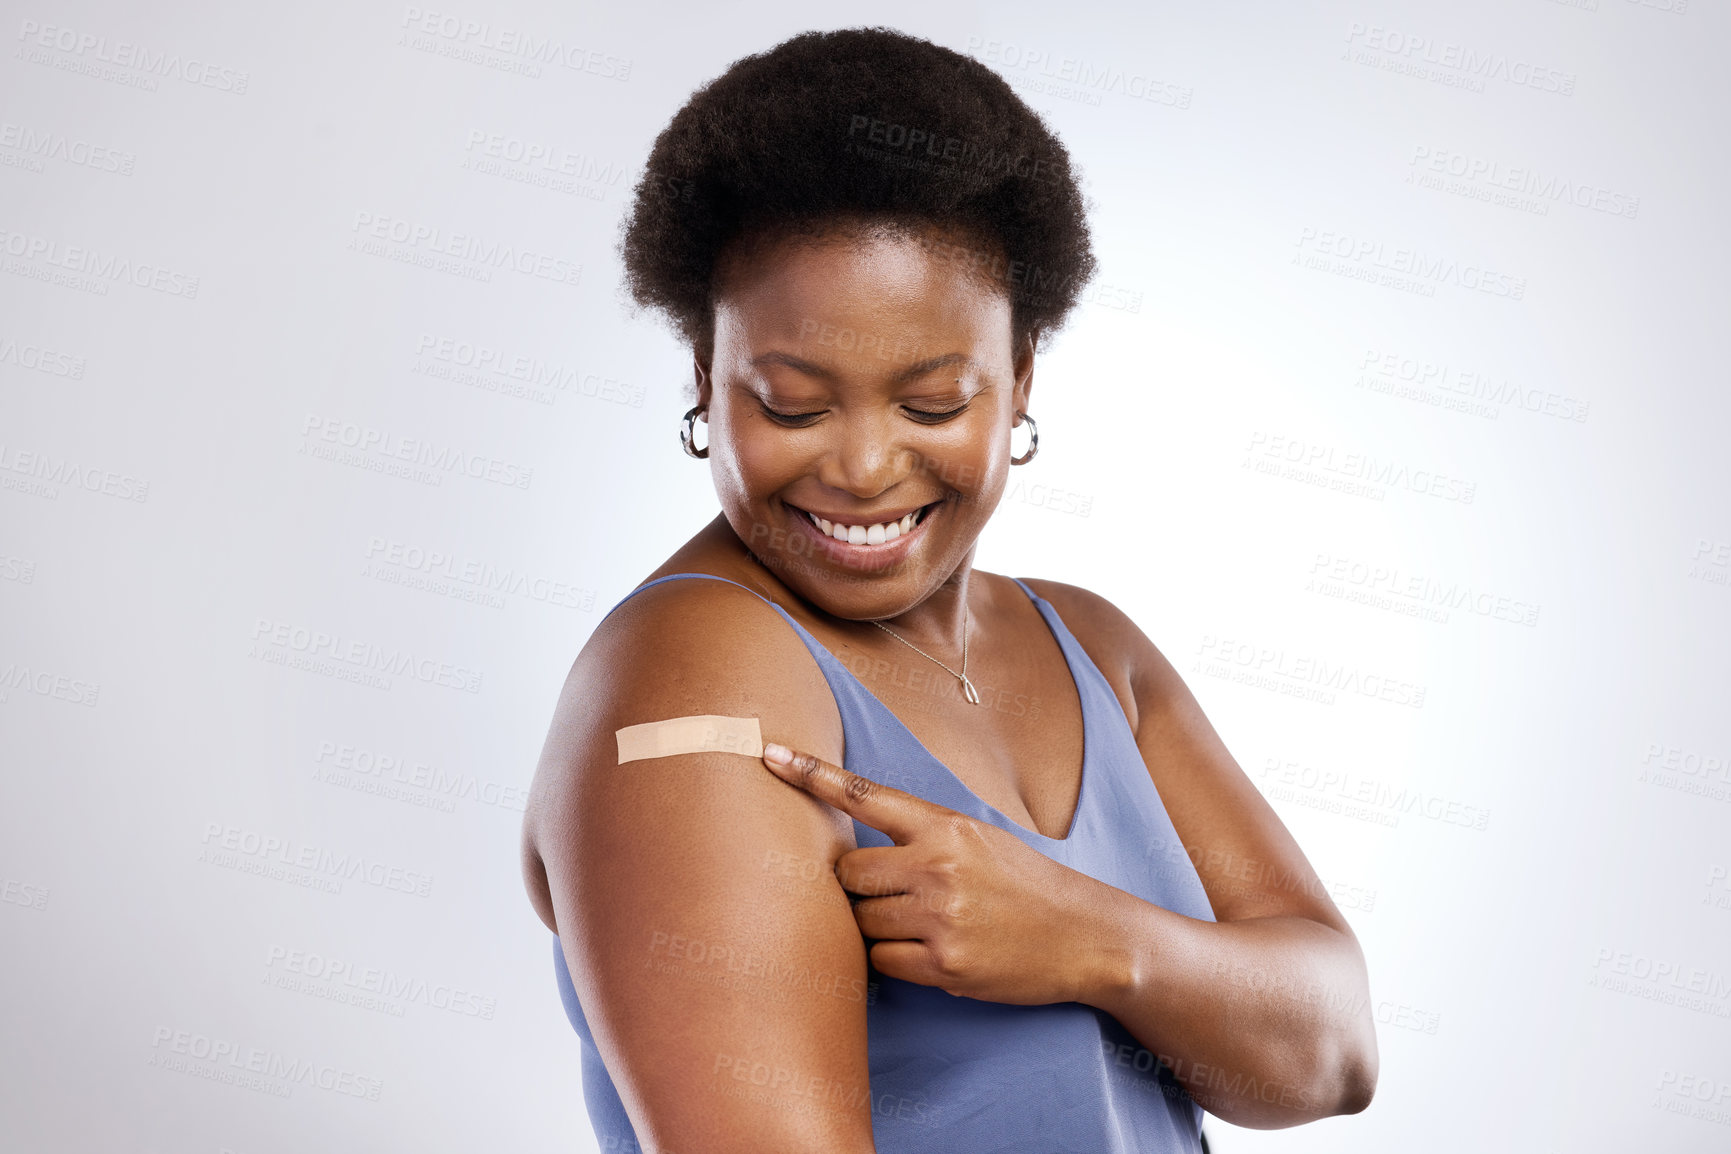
x=759 y=459
x=993 y=475
x=965 y=460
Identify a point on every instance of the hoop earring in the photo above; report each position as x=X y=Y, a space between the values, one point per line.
x=687 y=428
x=1033 y=440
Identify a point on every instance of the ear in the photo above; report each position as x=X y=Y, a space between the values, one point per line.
x=700 y=369
x=1023 y=368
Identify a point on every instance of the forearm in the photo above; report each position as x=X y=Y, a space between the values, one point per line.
x=1266 y=1021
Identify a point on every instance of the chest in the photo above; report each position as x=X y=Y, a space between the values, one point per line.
x=1019 y=749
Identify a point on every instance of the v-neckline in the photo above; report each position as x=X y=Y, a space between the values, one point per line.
x=1081 y=698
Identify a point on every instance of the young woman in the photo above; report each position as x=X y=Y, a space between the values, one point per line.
x=995 y=884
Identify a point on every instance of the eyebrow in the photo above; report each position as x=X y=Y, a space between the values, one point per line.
x=917 y=369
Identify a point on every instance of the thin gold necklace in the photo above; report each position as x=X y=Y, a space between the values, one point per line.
x=968 y=689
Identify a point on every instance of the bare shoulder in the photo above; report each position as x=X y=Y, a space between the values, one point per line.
x=1158 y=705
x=685 y=888
x=1247 y=861
x=1115 y=643
x=678 y=649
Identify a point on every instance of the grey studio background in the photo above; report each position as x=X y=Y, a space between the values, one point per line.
x=1397 y=417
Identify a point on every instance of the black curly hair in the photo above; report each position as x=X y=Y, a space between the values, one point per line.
x=860 y=126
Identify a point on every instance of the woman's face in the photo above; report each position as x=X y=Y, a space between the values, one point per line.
x=860 y=398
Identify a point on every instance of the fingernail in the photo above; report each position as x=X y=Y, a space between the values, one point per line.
x=777 y=754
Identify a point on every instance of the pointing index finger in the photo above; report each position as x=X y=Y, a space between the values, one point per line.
x=883 y=807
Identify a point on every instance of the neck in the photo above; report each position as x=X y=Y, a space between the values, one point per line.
x=934 y=623
x=937 y=624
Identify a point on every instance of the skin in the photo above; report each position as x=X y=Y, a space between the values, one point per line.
x=863 y=372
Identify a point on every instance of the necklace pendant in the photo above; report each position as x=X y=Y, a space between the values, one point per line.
x=970 y=692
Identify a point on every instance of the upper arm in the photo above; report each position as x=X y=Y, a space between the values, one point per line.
x=714 y=952
x=1249 y=863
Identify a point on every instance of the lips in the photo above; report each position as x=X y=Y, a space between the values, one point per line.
x=873 y=553
x=864 y=529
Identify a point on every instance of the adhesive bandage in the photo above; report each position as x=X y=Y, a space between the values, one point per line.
x=707 y=733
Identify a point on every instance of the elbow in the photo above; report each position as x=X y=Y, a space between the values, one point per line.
x=1355 y=1068
x=1340 y=1072
x=1333 y=1077
x=1357 y=1087
x=1351 y=1061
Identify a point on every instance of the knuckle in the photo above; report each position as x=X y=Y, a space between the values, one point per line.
x=949 y=960
x=860 y=788
x=947 y=870
x=807 y=766
x=973 y=913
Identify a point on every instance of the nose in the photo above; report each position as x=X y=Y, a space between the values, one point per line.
x=866 y=456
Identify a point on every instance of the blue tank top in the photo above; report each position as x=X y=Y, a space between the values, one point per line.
x=955 y=1074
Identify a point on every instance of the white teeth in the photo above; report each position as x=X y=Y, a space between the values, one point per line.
x=866 y=534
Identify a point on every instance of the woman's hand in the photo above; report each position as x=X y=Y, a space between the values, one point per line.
x=957 y=903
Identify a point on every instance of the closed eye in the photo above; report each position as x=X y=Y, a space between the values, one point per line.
x=934 y=417
x=791 y=420
x=803 y=420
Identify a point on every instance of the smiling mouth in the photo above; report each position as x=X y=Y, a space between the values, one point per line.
x=879 y=533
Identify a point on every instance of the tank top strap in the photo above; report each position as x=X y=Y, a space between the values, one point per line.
x=1090 y=682
x=833 y=671
x=706 y=577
